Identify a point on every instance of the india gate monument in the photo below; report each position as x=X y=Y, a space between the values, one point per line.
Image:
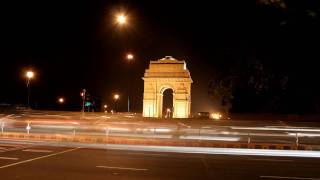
x=163 y=74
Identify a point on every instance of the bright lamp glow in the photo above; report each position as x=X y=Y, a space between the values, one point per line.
x=129 y=56
x=215 y=116
x=61 y=100
x=30 y=74
x=116 y=96
x=121 y=19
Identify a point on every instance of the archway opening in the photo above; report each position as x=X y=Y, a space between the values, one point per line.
x=167 y=107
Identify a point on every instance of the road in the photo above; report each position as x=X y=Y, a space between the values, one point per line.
x=38 y=160
x=134 y=126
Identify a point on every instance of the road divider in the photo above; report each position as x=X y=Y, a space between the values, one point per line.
x=157 y=142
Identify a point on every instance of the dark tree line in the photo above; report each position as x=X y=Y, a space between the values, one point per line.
x=284 y=77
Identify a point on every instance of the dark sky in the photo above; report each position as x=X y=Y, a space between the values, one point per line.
x=75 y=44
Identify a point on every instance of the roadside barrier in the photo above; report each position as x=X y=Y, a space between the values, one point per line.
x=155 y=142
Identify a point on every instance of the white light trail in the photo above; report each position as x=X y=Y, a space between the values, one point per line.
x=275 y=129
x=212 y=138
x=162 y=130
x=304 y=134
x=222 y=151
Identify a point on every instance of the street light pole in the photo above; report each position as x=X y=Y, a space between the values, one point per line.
x=116 y=97
x=83 y=95
x=29 y=76
x=129 y=59
x=105 y=108
x=28 y=86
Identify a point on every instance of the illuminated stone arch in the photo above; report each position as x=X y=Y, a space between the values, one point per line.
x=163 y=74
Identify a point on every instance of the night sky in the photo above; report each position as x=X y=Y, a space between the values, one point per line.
x=75 y=44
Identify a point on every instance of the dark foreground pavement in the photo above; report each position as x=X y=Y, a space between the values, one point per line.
x=48 y=162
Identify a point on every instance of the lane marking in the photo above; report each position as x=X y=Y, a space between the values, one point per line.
x=9 y=158
x=147 y=154
x=37 y=150
x=41 y=157
x=122 y=168
x=286 y=177
x=272 y=160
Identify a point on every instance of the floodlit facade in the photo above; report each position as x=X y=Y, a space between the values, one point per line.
x=163 y=74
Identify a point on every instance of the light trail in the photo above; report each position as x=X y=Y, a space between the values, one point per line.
x=275 y=129
x=304 y=134
x=212 y=138
x=199 y=150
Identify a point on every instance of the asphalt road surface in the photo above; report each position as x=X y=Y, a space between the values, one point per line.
x=36 y=160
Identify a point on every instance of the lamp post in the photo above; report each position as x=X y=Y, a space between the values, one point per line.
x=129 y=58
x=29 y=75
x=116 y=97
x=61 y=102
x=83 y=95
x=105 y=108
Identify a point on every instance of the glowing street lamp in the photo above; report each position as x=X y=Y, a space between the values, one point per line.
x=129 y=59
x=61 y=100
x=121 y=19
x=105 y=108
x=29 y=76
x=116 y=97
x=83 y=96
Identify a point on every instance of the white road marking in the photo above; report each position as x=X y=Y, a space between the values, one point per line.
x=122 y=168
x=9 y=158
x=272 y=160
x=147 y=154
x=285 y=177
x=37 y=150
x=12 y=147
x=41 y=157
